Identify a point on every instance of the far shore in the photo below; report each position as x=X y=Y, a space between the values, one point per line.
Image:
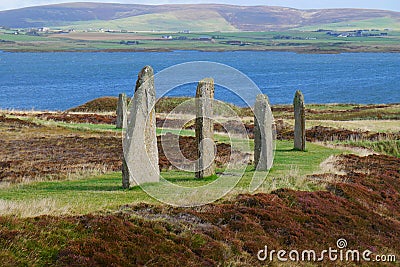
x=147 y=50
x=313 y=42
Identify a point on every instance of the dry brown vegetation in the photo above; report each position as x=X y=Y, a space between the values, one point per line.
x=37 y=152
x=342 y=112
x=188 y=147
x=362 y=206
x=102 y=104
x=31 y=151
x=58 y=153
x=361 y=202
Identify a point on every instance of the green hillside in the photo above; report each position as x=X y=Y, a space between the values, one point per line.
x=200 y=21
x=196 y=17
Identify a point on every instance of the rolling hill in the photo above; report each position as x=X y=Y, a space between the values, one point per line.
x=202 y=17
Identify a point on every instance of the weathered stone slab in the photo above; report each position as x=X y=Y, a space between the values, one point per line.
x=140 y=143
x=121 y=112
x=205 y=128
x=299 y=122
x=127 y=181
x=263 y=134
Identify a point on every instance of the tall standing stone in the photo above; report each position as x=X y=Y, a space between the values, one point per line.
x=263 y=134
x=299 y=122
x=127 y=181
x=140 y=143
x=205 y=165
x=121 y=111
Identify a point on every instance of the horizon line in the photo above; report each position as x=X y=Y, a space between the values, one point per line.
x=197 y=4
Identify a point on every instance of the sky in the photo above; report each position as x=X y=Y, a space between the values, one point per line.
x=301 y=4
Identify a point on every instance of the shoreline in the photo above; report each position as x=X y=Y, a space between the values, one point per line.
x=169 y=50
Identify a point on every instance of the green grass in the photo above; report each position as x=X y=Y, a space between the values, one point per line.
x=99 y=127
x=388 y=147
x=21 y=38
x=169 y=21
x=175 y=131
x=291 y=167
x=88 y=126
x=102 y=193
x=342 y=107
x=74 y=126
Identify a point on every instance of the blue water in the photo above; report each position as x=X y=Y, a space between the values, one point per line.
x=58 y=81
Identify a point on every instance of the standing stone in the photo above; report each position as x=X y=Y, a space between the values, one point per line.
x=126 y=180
x=263 y=134
x=299 y=122
x=140 y=144
x=205 y=129
x=121 y=111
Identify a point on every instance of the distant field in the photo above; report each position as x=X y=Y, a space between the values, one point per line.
x=297 y=41
x=97 y=36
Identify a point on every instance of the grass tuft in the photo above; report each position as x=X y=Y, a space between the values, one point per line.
x=388 y=147
x=32 y=208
